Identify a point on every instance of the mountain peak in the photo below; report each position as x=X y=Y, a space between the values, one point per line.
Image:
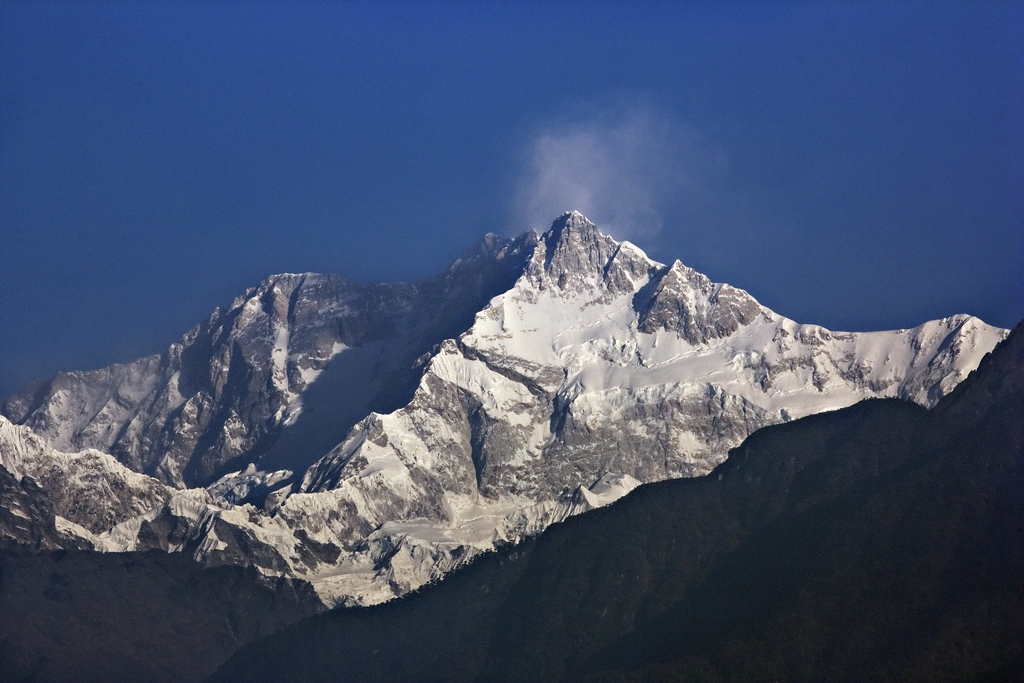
x=573 y=226
x=571 y=220
x=573 y=248
x=574 y=252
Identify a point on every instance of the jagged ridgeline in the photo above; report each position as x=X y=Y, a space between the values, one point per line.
x=881 y=541
x=367 y=439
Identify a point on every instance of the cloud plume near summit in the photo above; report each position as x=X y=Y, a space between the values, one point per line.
x=624 y=170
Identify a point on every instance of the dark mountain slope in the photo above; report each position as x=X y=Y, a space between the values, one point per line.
x=881 y=541
x=83 y=616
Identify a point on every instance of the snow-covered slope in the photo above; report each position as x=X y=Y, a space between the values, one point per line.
x=384 y=434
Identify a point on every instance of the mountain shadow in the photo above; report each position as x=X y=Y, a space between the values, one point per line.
x=878 y=542
x=83 y=616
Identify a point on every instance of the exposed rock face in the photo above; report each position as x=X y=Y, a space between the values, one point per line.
x=88 y=489
x=573 y=251
x=26 y=517
x=698 y=310
x=368 y=438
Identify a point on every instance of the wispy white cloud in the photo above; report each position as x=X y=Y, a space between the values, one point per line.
x=622 y=168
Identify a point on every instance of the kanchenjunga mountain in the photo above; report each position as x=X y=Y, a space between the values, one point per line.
x=369 y=438
x=878 y=542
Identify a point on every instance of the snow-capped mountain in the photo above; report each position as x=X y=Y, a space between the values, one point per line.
x=368 y=438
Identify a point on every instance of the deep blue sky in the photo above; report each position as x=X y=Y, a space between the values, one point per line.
x=856 y=165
